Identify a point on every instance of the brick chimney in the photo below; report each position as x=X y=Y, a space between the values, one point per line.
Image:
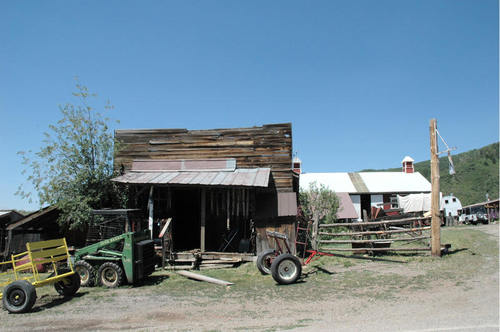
x=408 y=165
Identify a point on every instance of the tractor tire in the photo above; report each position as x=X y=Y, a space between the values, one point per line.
x=286 y=269
x=86 y=273
x=264 y=261
x=69 y=285
x=110 y=275
x=19 y=297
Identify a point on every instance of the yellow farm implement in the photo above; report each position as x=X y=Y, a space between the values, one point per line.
x=20 y=276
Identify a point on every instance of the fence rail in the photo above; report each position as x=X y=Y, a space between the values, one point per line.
x=376 y=236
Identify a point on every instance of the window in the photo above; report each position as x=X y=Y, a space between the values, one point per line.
x=445 y=201
x=394 y=202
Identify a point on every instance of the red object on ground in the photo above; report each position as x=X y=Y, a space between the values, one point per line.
x=25 y=259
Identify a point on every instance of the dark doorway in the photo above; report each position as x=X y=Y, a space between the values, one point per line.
x=186 y=225
x=366 y=206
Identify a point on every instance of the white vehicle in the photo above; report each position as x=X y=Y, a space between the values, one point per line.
x=474 y=214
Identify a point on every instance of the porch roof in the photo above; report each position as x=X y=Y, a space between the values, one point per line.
x=244 y=177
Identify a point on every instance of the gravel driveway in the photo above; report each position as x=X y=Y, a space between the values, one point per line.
x=454 y=293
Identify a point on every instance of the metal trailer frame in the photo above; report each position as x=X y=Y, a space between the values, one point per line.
x=23 y=266
x=282 y=247
x=281 y=263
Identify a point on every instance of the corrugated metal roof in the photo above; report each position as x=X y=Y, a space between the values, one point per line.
x=374 y=182
x=252 y=177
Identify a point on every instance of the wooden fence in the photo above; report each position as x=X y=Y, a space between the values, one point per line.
x=376 y=236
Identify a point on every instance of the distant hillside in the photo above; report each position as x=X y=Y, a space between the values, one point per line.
x=476 y=174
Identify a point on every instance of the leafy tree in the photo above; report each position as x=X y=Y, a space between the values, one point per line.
x=319 y=204
x=73 y=168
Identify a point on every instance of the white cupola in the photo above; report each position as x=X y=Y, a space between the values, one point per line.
x=408 y=165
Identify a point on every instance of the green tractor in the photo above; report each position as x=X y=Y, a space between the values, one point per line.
x=129 y=257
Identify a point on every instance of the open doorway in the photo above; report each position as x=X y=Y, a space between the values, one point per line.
x=366 y=206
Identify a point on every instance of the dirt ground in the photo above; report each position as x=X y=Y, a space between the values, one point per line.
x=458 y=292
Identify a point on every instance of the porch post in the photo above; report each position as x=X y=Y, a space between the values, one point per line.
x=202 y=219
x=150 y=208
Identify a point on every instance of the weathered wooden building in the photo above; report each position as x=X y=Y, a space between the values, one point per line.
x=219 y=186
x=7 y=217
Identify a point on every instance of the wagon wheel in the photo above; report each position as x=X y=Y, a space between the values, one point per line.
x=110 y=275
x=19 y=296
x=286 y=269
x=264 y=261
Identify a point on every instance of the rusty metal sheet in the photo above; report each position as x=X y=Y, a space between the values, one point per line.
x=160 y=165
x=287 y=204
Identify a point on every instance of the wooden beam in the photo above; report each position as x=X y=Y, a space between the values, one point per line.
x=202 y=219
x=196 y=276
x=435 y=221
x=150 y=208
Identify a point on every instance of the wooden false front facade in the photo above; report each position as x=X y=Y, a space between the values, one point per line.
x=219 y=186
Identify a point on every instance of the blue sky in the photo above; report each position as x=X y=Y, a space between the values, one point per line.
x=359 y=80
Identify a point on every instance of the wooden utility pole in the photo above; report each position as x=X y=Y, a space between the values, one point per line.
x=436 y=220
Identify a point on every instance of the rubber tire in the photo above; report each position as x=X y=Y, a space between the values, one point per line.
x=283 y=262
x=83 y=267
x=22 y=288
x=264 y=261
x=69 y=285
x=110 y=267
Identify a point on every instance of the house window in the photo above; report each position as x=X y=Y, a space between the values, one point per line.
x=445 y=201
x=454 y=200
x=394 y=202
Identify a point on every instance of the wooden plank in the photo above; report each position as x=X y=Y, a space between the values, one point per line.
x=200 y=277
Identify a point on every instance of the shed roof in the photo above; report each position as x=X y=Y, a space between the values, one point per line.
x=369 y=182
x=35 y=216
x=252 y=177
x=346 y=208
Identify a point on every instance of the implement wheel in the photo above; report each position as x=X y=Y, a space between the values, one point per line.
x=86 y=273
x=110 y=275
x=286 y=269
x=264 y=261
x=69 y=285
x=19 y=296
